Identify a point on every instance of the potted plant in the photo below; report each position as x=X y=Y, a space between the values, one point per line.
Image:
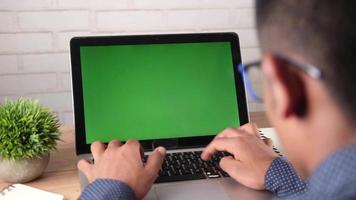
x=28 y=133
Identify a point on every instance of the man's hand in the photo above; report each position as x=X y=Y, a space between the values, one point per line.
x=124 y=163
x=251 y=155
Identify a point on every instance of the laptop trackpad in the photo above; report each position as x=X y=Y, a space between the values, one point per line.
x=191 y=191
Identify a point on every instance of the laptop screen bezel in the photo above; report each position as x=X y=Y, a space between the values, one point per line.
x=185 y=142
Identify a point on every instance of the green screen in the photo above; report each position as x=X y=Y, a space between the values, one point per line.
x=157 y=91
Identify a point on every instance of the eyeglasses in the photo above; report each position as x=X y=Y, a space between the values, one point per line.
x=252 y=75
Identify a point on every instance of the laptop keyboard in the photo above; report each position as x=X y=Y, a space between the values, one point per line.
x=182 y=166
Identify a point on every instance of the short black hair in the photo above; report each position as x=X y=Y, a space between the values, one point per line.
x=323 y=32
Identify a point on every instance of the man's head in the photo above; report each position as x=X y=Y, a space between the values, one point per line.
x=317 y=32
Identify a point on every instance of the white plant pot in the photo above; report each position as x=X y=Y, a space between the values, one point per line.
x=22 y=171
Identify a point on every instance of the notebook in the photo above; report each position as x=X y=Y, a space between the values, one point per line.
x=20 y=191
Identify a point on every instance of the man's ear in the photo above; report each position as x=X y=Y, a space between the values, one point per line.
x=286 y=86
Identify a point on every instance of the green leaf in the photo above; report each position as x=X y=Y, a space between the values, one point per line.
x=27 y=129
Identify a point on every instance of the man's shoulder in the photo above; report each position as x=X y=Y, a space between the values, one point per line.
x=336 y=175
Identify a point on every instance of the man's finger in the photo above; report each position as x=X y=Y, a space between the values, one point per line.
x=219 y=144
x=250 y=128
x=97 y=149
x=229 y=165
x=85 y=167
x=154 y=162
x=133 y=143
x=268 y=141
x=229 y=132
x=134 y=146
x=114 y=144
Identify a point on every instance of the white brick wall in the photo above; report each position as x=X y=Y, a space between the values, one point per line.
x=198 y=19
x=7 y=21
x=189 y=4
x=53 y=20
x=35 y=34
x=130 y=21
x=26 y=4
x=25 y=42
x=8 y=64
x=54 y=62
x=18 y=84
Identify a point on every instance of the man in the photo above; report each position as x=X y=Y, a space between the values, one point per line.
x=309 y=67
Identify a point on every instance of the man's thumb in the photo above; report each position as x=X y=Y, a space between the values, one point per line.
x=229 y=165
x=155 y=161
x=85 y=167
x=268 y=141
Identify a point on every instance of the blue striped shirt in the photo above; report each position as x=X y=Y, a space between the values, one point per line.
x=334 y=179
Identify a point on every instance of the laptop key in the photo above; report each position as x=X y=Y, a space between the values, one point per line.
x=197 y=171
x=163 y=173
x=182 y=166
x=224 y=174
x=213 y=175
x=186 y=171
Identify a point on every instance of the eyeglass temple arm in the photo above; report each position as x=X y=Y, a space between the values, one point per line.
x=247 y=82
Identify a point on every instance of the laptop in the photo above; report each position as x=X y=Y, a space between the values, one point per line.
x=173 y=90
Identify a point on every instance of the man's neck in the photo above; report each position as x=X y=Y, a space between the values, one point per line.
x=330 y=132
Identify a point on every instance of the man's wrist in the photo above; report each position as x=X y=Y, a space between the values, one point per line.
x=282 y=180
x=107 y=189
x=270 y=183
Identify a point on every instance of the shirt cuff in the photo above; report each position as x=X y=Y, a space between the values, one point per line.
x=107 y=189
x=282 y=180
